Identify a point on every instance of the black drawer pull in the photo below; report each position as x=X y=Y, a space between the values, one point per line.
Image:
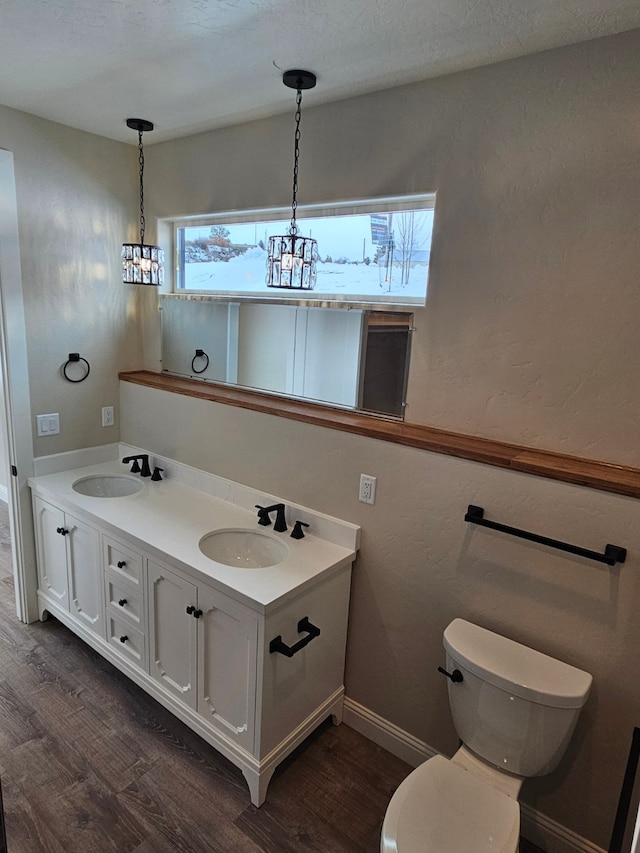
x=197 y=614
x=122 y=602
x=124 y=639
x=190 y=609
x=277 y=646
x=62 y=531
x=121 y=564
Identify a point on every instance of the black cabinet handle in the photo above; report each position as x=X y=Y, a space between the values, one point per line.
x=197 y=614
x=62 y=531
x=276 y=646
x=121 y=564
x=124 y=639
x=122 y=602
x=455 y=676
x=190 y=609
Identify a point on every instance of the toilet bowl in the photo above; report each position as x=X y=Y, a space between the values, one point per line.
x=515 y=710
x=443 y=807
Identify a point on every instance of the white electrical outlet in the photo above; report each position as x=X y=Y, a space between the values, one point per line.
x=108 y=417
x=367 y=489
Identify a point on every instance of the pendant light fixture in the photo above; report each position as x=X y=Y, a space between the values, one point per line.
x=291 y=263
x=142 y=264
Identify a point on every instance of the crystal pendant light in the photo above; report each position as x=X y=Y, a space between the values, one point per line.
x=291 y=262
x=142 y=264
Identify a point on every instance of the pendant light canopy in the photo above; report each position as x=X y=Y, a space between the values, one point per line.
x=142 y=264
x=291 y=263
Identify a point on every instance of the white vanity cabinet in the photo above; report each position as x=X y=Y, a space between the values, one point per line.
x=68 y=556
x=252 y=659
x=203 y=651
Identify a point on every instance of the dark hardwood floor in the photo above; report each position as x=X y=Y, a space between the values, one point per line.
x=89 y=762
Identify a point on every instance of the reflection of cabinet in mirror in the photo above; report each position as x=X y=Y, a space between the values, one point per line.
x=322 y=354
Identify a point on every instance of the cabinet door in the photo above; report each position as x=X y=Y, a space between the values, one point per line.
x=227 y=646
x=85 y=586
x=172 y=632
x=51 y=552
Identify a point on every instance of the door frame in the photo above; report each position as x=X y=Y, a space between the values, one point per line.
x=17 y=399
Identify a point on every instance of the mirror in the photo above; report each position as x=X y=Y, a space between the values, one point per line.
x=352 y=358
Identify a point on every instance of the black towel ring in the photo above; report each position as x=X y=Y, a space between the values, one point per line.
x=200 y=353
x=73 y=357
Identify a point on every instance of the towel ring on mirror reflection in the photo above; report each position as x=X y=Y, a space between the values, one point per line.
x=74 y=357
x=200 y=353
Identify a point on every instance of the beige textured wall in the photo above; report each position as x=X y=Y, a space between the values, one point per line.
x=529 y=335
x=77 y=201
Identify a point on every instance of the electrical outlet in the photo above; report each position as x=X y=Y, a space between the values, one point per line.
x=367 y=489
x=108 y=417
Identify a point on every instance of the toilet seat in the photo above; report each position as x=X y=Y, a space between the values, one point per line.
x=442 y=808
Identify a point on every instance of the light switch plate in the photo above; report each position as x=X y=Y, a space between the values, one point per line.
x=48 y=424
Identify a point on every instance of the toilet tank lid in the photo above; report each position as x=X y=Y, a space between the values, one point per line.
x=515 y=668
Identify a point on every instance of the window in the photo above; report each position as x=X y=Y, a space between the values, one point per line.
x=369 y=252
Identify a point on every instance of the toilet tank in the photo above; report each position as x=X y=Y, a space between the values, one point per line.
x=515 y=707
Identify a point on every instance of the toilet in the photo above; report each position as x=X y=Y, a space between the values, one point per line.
x=515 y=710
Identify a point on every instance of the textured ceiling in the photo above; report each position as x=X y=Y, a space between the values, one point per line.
x=192 y=65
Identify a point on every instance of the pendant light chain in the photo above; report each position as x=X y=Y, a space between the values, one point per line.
x=293 y=230
x=291 y=258
x=141 y=162
x=142 y=264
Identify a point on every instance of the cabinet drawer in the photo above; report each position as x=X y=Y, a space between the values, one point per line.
x=126 y=640
x=122 y=561
x=124 y=601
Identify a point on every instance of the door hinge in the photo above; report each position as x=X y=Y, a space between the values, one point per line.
x=14 y=471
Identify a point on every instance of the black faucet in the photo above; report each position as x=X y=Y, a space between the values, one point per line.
x=298 y=532
x=145 y=471
x=263 y=517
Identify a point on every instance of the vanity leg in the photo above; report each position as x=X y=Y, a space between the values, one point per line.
x=43 y=613
x=258 y=784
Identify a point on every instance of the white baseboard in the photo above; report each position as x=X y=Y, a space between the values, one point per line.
x=386 y=734
x=535 y=826
x=551 y=836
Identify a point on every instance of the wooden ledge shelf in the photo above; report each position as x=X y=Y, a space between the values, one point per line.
x=619 y=479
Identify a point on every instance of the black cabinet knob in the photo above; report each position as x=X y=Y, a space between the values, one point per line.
x=62 y=531
x=124 y=639
x=197 y=614
x=122 y=602
x=190 y=609
x=121 y=564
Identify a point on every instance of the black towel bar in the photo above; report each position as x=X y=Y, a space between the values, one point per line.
x=612 y=553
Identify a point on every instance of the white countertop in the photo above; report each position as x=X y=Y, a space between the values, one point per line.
x=168 y=519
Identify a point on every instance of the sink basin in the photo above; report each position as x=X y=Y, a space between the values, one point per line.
x=244 y=549
x=107 y=486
